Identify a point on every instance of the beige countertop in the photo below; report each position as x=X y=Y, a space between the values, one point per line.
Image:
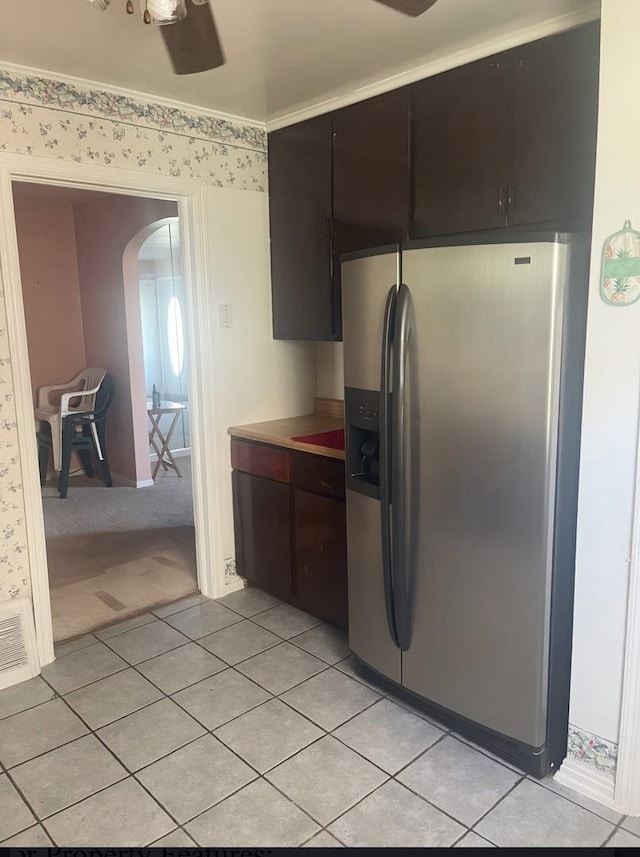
x=281 y=432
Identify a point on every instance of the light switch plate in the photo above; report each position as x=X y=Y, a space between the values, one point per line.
x=224 y=316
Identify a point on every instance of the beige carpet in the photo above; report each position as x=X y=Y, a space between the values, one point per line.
x=99 y=576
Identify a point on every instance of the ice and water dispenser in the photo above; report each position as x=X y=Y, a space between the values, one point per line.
x=362 y=419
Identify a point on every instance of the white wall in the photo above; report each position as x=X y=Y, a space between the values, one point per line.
x=611 y=397
x=329 y=370
x=257 y=377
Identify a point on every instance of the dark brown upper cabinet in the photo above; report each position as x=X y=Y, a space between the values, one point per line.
x=337 y=184
x=371 y=177
x=300 y=209
x=509 y=140
x=461 y=148
x=371 y=180
x=555 y=114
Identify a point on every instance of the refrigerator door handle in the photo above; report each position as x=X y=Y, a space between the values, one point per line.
x=386 y=458
x=403 y=469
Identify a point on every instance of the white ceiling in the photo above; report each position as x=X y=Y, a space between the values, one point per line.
x=282 y=55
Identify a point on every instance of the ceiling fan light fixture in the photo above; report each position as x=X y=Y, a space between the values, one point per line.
x=164 y=11
x=414 y=8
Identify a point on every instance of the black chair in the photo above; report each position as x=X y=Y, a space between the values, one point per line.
x=78 y=435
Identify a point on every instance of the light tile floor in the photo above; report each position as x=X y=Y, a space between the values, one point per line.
x=242 y=723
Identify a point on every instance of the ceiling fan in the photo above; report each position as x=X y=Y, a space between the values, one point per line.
x=190 y=34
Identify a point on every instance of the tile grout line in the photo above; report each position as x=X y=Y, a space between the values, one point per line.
x=128 y=772
x=27 y=803
x=212 y=733
x=620 y=827
x=188 y=640
x=273 y=645
x=521 y=774
x=307 y=812
x=327 y=666
x=58 y=694
x=244 y=761
x=331 y=731
x=132 y=774
x=80 y=687
x=153 y=702
x=493 y=806
x=259 y=774
x=575 y=802
x=51 y=749
x=389 y=777
x=461 y=837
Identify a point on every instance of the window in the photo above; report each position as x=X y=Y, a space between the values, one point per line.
x=175 y=336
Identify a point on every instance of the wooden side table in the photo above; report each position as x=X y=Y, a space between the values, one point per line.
x=165 y=458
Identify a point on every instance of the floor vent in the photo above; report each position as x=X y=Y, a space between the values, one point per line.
x=18 y=654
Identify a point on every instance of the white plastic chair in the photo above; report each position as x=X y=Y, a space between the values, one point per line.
x=78 y=395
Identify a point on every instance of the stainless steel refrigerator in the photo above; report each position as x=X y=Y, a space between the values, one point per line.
x=463 y=379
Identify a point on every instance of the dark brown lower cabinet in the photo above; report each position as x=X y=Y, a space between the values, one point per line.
x=263 y=532
x=321 y=562
x=290 y=526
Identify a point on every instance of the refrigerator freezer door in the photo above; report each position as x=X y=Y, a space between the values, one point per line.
x=488 y=324
x=366 y=283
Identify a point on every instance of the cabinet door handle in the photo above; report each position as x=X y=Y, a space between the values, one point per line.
x=511 y=199
x=501 y=209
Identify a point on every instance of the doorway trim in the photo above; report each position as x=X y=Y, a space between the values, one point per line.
x=627 y=785
x=207 y=494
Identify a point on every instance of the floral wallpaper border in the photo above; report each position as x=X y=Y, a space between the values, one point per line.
x=50 y=119
x=57 y=94
x=589 y=748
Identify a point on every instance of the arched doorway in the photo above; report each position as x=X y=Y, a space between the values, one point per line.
x=162 y=313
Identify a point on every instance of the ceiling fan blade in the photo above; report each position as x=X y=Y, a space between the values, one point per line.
x=193 y=42
x=409 y=7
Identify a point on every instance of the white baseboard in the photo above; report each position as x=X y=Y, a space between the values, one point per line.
x=234 y=584
x=584 y=778
x=177 y=453
x=124 y=482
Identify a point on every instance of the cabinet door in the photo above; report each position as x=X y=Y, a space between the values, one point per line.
x=300 y=222
x=555 y=111
x=321 y=556
x=460 y=148
x=263 y=532
x=371 y=172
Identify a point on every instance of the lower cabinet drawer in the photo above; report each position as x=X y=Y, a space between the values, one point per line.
x=318 y=474
x=270 y=462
